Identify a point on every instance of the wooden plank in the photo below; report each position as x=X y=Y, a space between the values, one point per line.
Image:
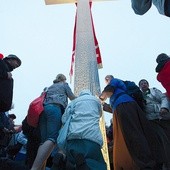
x=52 y=2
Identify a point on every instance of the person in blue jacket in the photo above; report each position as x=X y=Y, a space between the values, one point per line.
x=135 y=144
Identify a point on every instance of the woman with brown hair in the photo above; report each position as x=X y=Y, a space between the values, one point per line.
x=55 y=103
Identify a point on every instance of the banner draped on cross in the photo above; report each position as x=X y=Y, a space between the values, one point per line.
x=98 y=55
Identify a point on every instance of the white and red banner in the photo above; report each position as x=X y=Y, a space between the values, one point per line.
x=98 y=55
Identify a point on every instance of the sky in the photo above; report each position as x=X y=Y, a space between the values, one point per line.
x=42 y=35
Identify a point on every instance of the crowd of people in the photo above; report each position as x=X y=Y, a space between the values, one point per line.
x=138 y=136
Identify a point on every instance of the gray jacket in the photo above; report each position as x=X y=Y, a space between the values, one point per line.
x=154 y=102
x=84 y=123
x=140 y=7
x=58 y=93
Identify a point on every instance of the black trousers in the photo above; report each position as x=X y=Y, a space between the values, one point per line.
x=7 y=164
x=140 y=140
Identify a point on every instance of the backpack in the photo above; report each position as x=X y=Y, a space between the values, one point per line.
x=35 y=109
x=134 y=91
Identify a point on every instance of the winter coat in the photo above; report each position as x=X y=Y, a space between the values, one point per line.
x=164 y=77
x=6 y=87
x=142 y=6
x=155 y=100
x=58 y=93
x=119 y=96
x=84 y=123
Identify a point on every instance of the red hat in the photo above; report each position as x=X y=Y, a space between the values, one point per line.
x=1 y=56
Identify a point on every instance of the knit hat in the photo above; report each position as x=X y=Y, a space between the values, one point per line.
x=12 y=56
x=162 y=58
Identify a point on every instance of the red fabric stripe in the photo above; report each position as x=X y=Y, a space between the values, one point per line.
x=73 y=49
x=98 y=54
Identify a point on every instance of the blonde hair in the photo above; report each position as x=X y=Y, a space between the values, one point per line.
x=59 y=78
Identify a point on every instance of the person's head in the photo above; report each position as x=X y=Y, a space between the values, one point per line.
x=107 y=92
x=108 y=79
x=85 y=92
x=13 y=60
x=60 y=78
x=162 y=58
x=143 y=85
x=12 y=117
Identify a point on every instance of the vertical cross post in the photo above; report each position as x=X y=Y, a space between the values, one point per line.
x=86 y=70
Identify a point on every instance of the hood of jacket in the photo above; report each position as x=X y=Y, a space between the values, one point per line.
x=85 y=92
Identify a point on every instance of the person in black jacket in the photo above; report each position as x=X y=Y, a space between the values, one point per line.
x=34 y=139
x=7 y=65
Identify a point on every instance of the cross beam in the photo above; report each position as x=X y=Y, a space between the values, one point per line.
x=52 y=2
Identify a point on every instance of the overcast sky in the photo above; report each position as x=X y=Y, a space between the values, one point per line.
x=41 y=35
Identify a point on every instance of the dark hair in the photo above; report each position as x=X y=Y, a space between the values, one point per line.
x=108 y=88
x=162 y=58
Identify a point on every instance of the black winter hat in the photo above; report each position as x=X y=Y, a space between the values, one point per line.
x=12 y=56
x=162 y=58
x=12 y=116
